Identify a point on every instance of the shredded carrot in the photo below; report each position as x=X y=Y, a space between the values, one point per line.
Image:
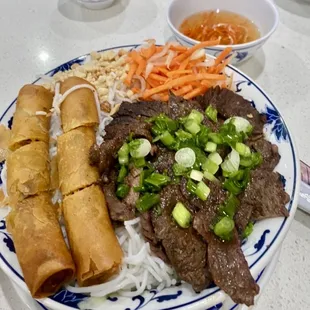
x=178 y=72
x=178 y=48
x=222 y=56
x=162 y=70
x=183 y=80
x=185 y=89
x=148 y=52
x=184 y=77
x=190 y=51
x=132 y=71
x=196 y=92
x=157 y=77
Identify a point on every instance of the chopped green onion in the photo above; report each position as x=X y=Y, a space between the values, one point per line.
x=157 y=179
x=210 y=147
x=183 y=135
x=196 y=116
x=231 y=163
x=196 y=175
x=163 y=123
x=181 y=215
x=156 y=131
x=139 y=162
x=202 y=191
x=123 y=154
x=122 y=190
x=231 y=205
x=243 y=149
x=122 y=174
x=241 y=124
x=191 y=126
x=216 y=158
x=209 y=176
x=224 y=228
x=233 y=186
x=147 y=201
x=179 y=170
x=210 y=166
x=211 y=113
x=257 y=159
x=248 y=230
x=185 y=157
x=251 y=162
x=191 y=186
x=139 y=148
x=203 y=136
x=167 y=139
x=216 y=137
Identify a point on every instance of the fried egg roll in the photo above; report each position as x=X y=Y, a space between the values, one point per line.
x=95 y=248
x=27 y=126
x=79 y=108
x=40 y=248
x=28 y=171
x=74 y=169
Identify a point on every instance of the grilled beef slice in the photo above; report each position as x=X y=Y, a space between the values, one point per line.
x=184 y=247
x=263 y=198
x=149 y=236
x=229 y=104
x=118 y=210
x=230 y=270
x=271 y=156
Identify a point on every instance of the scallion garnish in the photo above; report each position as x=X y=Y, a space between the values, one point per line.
x=147 y=201
x=181 y=215
x=122 y=190
x=123 y=154
x=139 y=148
x=211 y=113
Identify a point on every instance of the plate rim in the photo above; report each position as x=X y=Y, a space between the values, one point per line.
x=264 y=257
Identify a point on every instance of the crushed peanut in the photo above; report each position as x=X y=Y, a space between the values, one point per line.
x=103 y=70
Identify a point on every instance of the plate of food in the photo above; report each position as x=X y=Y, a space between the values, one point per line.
x=144 y=176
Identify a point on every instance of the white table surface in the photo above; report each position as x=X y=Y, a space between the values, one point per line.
x=36 y=36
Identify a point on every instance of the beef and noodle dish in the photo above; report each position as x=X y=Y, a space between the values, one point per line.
x=230 y=28
x=153 y=168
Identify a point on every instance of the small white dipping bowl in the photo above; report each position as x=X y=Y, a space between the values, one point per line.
x=262 y=12
x=96 y=4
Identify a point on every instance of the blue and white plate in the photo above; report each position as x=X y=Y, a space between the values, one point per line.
x=259 y=248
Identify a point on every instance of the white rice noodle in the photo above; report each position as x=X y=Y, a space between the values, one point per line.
x=140 y=270
x=171 y=55
x=198 y=54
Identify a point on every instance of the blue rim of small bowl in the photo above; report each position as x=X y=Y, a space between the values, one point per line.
x=235 y=47
x=265 y=257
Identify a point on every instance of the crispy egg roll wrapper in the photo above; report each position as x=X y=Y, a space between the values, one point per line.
x=28 y=171
x=27 y=126
x=74 y=169
x=41 y=250
x=95 y=248
x=79 y=108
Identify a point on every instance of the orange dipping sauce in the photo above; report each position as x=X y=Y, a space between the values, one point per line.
x=229 y=27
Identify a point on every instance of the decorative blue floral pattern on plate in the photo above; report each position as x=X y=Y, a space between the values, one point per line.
x=1 y=167
x=241 y=55
x=6 y=238
x=10 y=122
x=68 y=298
x=278 y=127
x=260 y=243
x=216 y=307
x=67 y=66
